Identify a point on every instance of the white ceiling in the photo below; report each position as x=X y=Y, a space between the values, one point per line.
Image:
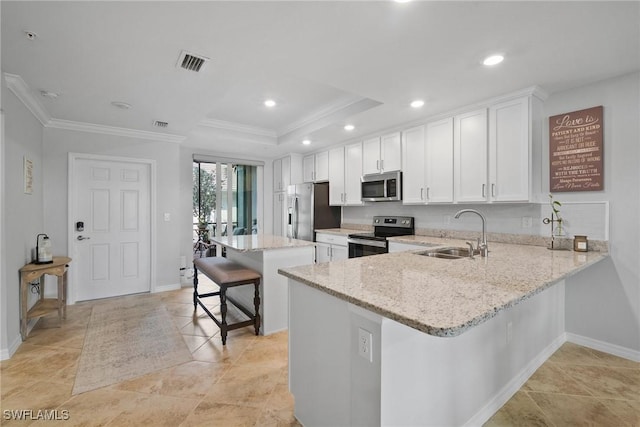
x=326 y=63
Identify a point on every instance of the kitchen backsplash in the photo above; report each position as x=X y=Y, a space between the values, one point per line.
x=582 y=218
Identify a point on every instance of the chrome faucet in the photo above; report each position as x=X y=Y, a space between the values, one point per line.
x=482 y=248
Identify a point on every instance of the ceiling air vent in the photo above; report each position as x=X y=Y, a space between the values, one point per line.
x=191 y=62
x=160 y=124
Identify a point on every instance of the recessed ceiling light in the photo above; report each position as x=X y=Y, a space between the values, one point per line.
x=417 y=103
x=121 y=105
x=306 y=142
x=493 y=60
x=349 y=127
x=402 y=1
x=270 y=103
x=50 y=95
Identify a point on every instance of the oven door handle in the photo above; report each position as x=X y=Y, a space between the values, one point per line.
x=365 y=242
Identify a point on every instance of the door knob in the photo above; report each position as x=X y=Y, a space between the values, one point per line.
x=83 y=238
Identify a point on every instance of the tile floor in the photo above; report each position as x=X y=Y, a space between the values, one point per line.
x=245 y=382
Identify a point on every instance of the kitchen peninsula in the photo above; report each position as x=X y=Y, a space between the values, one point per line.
x=266 y=254
x=418 y=340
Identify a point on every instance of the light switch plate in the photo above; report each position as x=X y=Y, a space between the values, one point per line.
x=167 y=216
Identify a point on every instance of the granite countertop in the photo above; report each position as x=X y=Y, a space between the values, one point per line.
x=259 y=242
x=438 y=296
x=339 y=231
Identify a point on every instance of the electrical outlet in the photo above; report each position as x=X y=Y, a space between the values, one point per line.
x=167 y=216
x=527 y=222
x=446 y=219
x=365 y=345
x=509 y=332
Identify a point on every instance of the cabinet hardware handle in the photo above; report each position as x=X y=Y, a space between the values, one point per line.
x=421 y=191
x=377 y=165
x=428 y=193
x=483 y=187
x=381 y=165
x=328 y=253
x=493 y=190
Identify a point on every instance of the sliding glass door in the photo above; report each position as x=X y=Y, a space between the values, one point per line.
x=225 y=200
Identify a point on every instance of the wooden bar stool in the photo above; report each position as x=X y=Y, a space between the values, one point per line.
x=227 y=274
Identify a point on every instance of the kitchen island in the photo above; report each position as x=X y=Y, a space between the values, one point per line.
x=266 y=254
x=416 y=340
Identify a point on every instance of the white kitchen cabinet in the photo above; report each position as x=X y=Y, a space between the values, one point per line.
x=287 y=171
x=336 y=176
x=382 y=154
x=413 y=174
x=279 y=216
x=470 y=154
x=439 y=162
x=331 y=247
x=510 y=151
x=315 y=167
x=353 y=174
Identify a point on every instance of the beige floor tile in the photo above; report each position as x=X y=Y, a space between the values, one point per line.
x=213 y=350
x=245 y=385
x=179 y=309
x=194 y=342
x=214 y=414
x=627 y=410
x=189 y=380
x=564 y=410
x=550 y=378
x=40 y=395
x=204 y=327
x=157 y=411
x=607 y=382
x=519 y=411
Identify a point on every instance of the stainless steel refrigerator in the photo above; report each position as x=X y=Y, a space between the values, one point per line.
x=308 y=210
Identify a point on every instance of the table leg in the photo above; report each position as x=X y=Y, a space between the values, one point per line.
x=60 y=298
x=23 y=308
x=64 y=294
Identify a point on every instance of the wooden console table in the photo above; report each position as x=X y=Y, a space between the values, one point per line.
x=30 y=273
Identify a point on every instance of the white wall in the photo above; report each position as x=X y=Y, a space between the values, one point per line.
x=22 y=213
x=603 y=303
x=58 y=143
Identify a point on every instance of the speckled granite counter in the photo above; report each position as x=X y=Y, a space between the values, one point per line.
x=443 y=297
x=259 y=242
x=339 y=231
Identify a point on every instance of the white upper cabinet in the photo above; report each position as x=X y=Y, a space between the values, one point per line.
x=315 y=167
x=287 y=171
x=308 y=168
x=510 y=151
x=470 y=154
x=382 y=154
x=279 y=216
x=439 y=162
x=413 y=174
x=352 y=174
x=321 y=162
x=336 y=176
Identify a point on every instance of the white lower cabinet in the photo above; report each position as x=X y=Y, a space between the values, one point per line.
x=331 y=247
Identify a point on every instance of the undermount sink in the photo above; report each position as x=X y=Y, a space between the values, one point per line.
x=447 y=253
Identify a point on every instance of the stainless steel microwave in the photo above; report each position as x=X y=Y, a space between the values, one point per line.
x=382 y=187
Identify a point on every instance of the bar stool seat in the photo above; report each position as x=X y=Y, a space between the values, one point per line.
x=227 y=274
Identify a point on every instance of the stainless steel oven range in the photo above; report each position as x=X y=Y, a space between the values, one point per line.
x=364 y=244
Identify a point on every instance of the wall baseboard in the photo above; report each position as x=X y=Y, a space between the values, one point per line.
x=498 y=401
x=605 y=347
x=6 y=353
x=164 y=288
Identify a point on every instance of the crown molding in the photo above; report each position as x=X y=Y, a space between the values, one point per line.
x=116 y=131
x=19 y=87
x=238 y=127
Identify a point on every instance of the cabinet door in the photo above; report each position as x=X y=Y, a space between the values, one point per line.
x=277 y=175
x=339 y=252
x=323 y=252
x=279 y=207
x=286 y=173
x=353 y=174
x=439 y=162
x=308 y=168
x=371 y=156
x=321 y=166
x=390 y=153
x=509 y=151
x=413 y=174
x=336 y=176
x=470 y=154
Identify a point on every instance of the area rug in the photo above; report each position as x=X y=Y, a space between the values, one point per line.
x=125 y=340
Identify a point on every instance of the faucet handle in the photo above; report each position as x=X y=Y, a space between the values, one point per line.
x=471 y=250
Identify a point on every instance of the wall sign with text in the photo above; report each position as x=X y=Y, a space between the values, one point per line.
x=576 y=151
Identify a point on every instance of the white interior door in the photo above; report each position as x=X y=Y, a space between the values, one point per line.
x=112 y=254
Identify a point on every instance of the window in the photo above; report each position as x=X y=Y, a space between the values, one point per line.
x=224 y=199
